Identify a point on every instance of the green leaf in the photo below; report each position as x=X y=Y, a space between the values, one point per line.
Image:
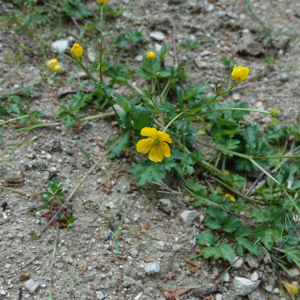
x=231 y=223
x=148 y=171
x=286 y=172
x=227 y=252
x=117 y=150
x=242 y=231
x=195 y=186
x=247 y=244
x=180 y=96
x=167 y=107
x=211 y=251
x=205 y=238
x=198 y=104
x=141 y=117
x=67 y=118
x=163 y=51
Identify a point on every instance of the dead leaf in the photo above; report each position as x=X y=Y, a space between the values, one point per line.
x=102 y=266
x=145 y=226
x=84 y=268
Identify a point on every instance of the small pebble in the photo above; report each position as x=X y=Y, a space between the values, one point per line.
x=147 y=208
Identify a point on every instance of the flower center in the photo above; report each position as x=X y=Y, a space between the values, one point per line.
x=156 y=142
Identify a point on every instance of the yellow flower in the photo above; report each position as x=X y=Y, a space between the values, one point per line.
x=240 y=74
x=57 y=68
x=226 y=172
x=52 y=63
x=151 y=55
x=102 y=1
x=291 y=288
x=77 y=50
x=230 y=196
x=157 y=142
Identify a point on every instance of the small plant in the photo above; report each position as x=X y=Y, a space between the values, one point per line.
x=152 y=272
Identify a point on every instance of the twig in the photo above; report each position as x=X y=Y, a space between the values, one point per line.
x=174 y=46
x=254 y=183
x=29 y=262
x=51 y=220
x=10 y=72
x=75 y=22
x=12 y=190
x=53 y=257
x=91 y=169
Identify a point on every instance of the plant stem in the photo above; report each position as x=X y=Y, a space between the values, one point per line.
x=96 y=117
x=13 y=119
x=173 y=120
x=223 y=109
x=101 y=42
x=86 y=70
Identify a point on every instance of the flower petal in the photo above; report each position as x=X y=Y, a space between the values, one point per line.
x=148 y=131
x=164 y=137
x=144 y=145
x=156 y=154
x=166 y=149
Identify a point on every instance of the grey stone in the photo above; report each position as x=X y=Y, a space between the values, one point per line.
x=100 y=295
x=96 y=149
x=31 y=286
x=238 y=262
x=134 y=253
x=7 y=266
x=152 y=266
x=253 y=261
x=257 y=294
x=189 y=216
x=204 y=53
x=91 y=56
x=280 y=42
x=284 y=77
x=2 y=293
x=157 y=35
x=60 y=45
x=268 y=288
x=226 y=277
x=248 y=46
x=59 y=265
x=139 y=57
x=165 y=205
x=128 y=281
x=200 y=63
x=244 y=286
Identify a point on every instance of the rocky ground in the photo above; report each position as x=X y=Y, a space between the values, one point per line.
x=158 y=231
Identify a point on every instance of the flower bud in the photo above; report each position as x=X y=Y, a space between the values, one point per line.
x=57 y=68
x=151 y=55
x=52 y=63
x=240 y=74
x=102 y=1
x=274 y=112
x=218 y=88
x=77 y=50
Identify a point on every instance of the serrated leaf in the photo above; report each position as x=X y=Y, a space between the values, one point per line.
x=231 y=223
x=227 y=252
x=246 y=243
x=117 y=150
x=148 y=171
x=211 y=251
x=167 y=107
x=141 y=117
x=206 y=238
x=242 y=231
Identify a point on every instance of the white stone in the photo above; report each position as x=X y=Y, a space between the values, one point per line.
x=200 y=63
x=204 y=53
x=139 y=296
x=157 y=47
x=294 y=272
x=210 y=7
x=139 y=57
x=254 y=276
x=219 y=297
x=31 y=286
x=152 y=266
x=91 y=56
x=60 y=45
x=238 y=262
x=189 y=216
x=7 y=266
x=2 y=293
x=48 y=156
x=161 y=243
x=244 y=286
x=134 y=253
x=157 y=35
x=276 y=291
x=100 y=295
x=226 y=277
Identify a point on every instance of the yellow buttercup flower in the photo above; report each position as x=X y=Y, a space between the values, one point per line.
x=52 y=63
x=102 y=1
x=151 y=55
x=57 y=68
x=77 y=50
x=226 y=172
x=291 y=288
x=230 y=196
x=240 y=74
x=156 y=143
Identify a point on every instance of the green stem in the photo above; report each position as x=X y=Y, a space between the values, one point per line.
x=240 y=109
x=96 y=117
x=110 y=102
x=275 y=157
x=101 y=40
x=13 y=119
x=214 y=98
x=156 y=80
x=165 y=90
x=173 y=120
x=85 y=70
